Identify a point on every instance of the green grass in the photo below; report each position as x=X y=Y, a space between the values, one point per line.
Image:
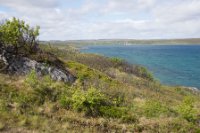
x=109 y=95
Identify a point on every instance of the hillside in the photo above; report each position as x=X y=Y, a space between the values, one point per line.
x=56 y=88
x=109 y=95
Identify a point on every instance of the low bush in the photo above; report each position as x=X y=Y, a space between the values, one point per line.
x=117 y=61
x=93 y=103
x=43 y=87
x=143 y=72
x=118 y=98
x=129 y=119
x=186 y=109
x=113 y=112
x=32 y=79
x=90 y=101
x=154 y=108
x=65 y=101
x=3 y=106
x=24 y=102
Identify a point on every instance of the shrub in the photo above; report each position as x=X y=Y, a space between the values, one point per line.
x=155 y=109
x=20 y=35
x=93 y=103
x=32 y=79
x=43 y=87
x=129 y=119
x=118 y=98
x=65 y=101
x=186 y=109
x=89 y=101
x=143 y=72
x=23 y=100
x=113 y=112
x=3 y=106
x=116 y=60
x=78 y=100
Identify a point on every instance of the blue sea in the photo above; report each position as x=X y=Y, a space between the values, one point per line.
x=170 y=64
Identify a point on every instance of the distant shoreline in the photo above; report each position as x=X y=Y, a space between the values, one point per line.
x=186 y=41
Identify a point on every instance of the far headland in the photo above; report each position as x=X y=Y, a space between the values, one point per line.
x=178 y=41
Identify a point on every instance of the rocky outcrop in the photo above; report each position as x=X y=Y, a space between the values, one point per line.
x=23 y=65
x=193 y=89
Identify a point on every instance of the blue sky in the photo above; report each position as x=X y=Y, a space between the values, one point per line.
x=107 y=19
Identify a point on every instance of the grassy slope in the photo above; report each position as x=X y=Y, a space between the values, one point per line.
x=109 y=95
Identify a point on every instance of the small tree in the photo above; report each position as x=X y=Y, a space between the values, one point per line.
x=20 y=35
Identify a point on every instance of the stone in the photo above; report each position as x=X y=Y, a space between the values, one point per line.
x=23 y=65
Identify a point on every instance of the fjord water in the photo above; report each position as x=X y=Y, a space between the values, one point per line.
x=170 y=64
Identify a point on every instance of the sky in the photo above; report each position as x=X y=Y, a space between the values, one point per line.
x=107 y=19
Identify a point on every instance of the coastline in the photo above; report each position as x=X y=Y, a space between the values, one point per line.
x=190 y=86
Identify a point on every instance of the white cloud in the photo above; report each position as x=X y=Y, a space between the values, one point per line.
x=93 y=19
x=183 y=11
x=127 y=6
x=29 y=3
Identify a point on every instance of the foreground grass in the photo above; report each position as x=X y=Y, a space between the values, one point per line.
x=109 y=95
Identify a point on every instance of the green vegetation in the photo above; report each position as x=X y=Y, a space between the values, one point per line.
x=20 y=35
x=96 y=101
x=155 y=109
x=109 y=95
x=187 y=110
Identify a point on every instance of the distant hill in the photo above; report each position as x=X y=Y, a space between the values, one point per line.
x=128 y=41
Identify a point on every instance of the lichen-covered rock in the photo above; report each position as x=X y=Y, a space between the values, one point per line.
x=23 y=66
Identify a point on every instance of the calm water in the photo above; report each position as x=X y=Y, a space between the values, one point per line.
x=171 y=65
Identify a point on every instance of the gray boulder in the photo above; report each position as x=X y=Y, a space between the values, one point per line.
x=24 y=65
